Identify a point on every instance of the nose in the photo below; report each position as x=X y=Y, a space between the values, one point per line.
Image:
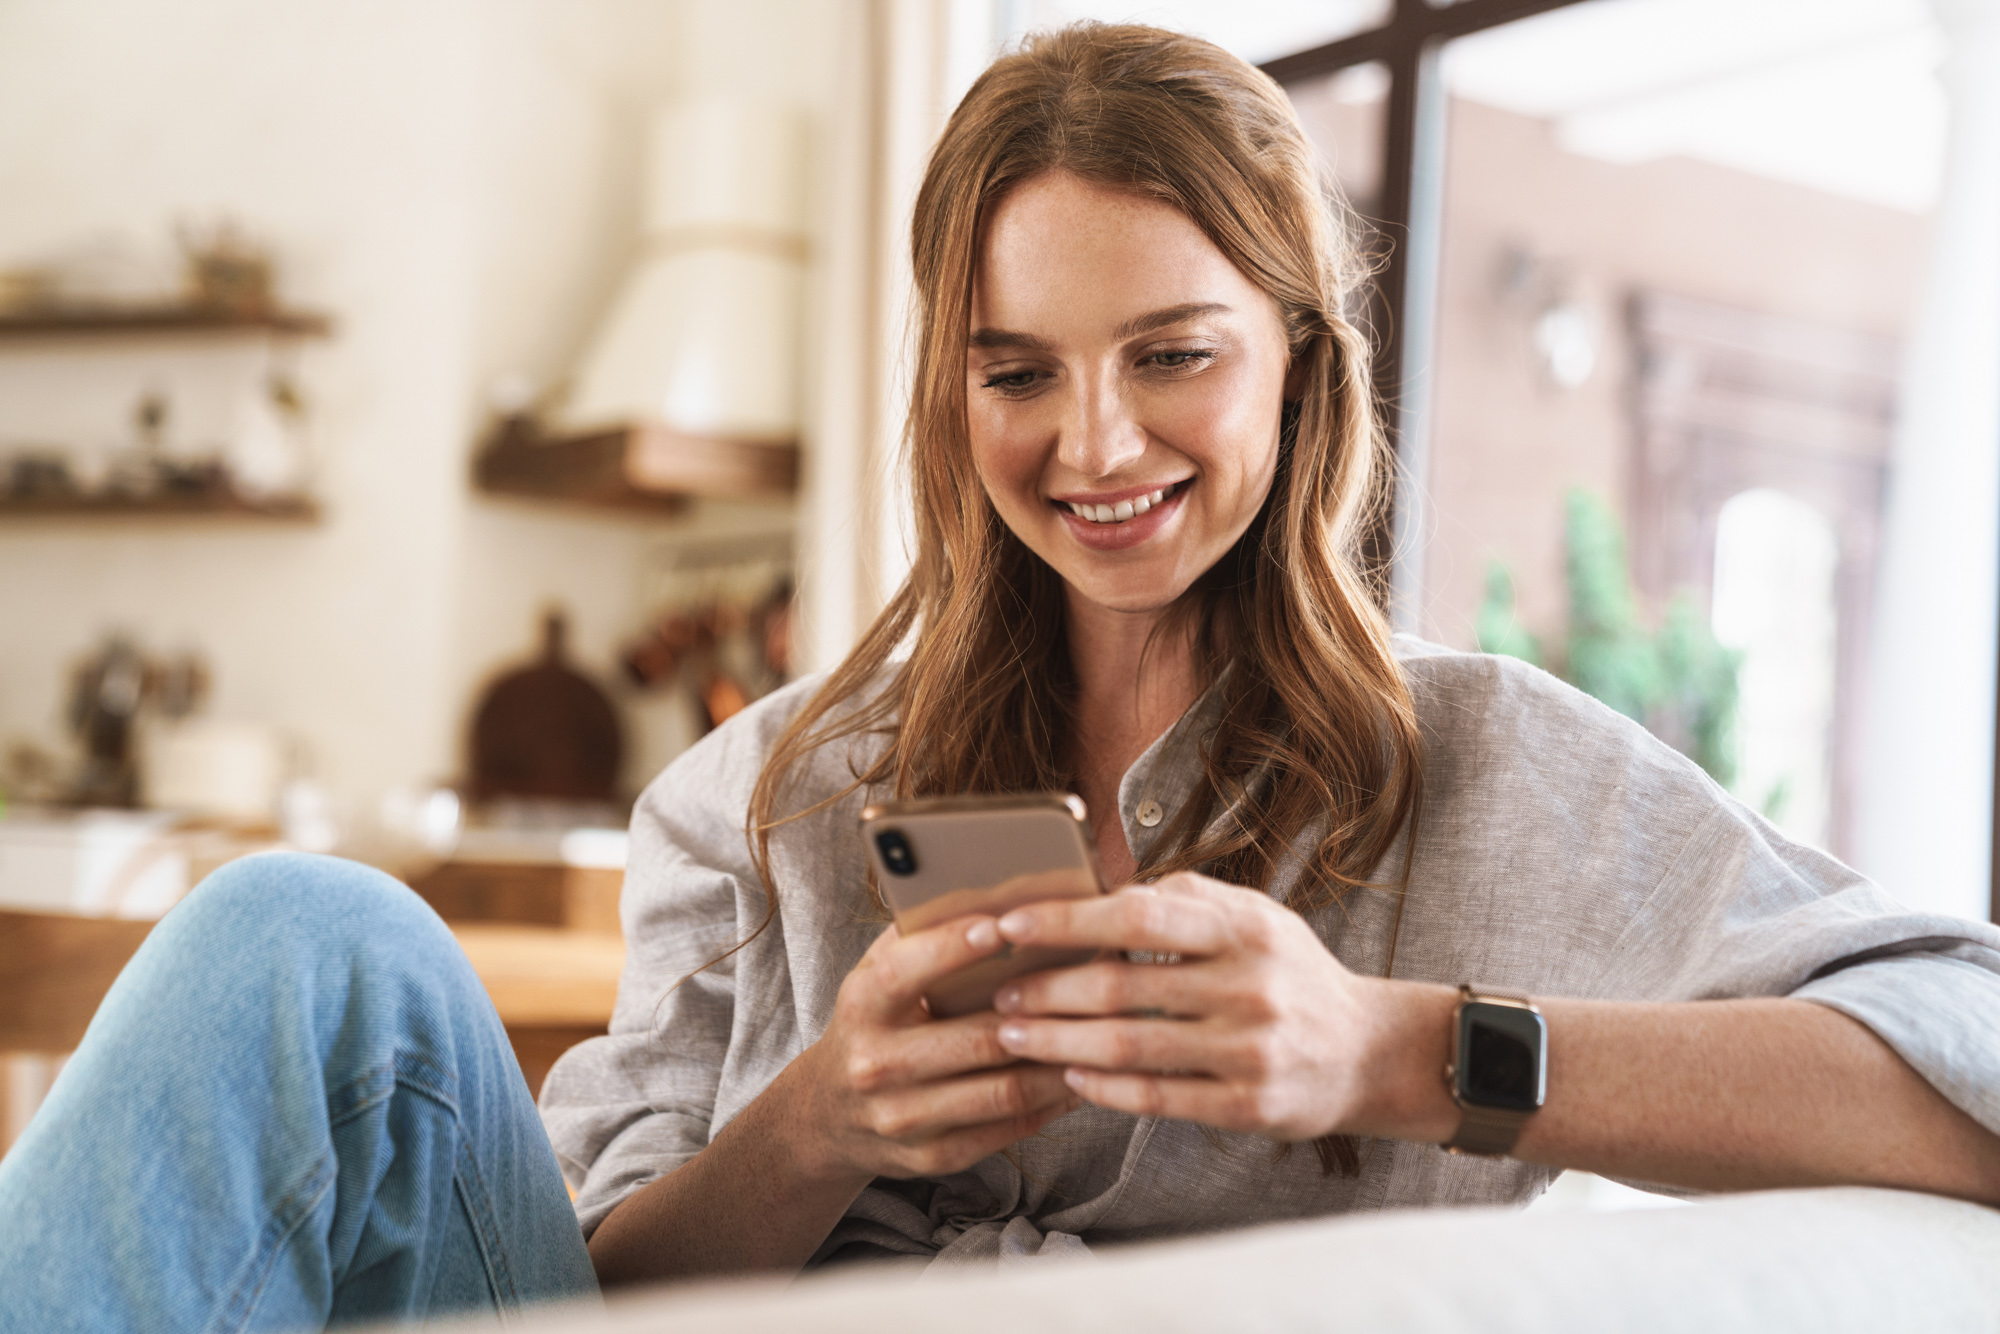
x=1100 y=433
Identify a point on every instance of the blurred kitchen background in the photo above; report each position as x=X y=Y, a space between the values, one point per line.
x=420 y=422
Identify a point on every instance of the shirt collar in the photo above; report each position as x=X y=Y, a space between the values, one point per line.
x=1166 y=773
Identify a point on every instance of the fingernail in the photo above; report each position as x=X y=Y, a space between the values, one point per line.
x=1017 y=925
x=1007 y=999
x=1013 y=1035
x=1073 y=1077
x=1138 y=889
x=982 y=934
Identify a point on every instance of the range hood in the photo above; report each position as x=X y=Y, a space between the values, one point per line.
x=702 y=340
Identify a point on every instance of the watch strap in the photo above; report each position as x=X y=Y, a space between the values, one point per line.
x=1485 y=1131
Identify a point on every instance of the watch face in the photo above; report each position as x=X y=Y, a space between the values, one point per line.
x=1500 y=1056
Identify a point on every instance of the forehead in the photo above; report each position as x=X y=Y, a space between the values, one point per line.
x=1058 y=251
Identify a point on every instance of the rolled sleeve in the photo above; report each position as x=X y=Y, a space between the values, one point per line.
x=1744 y=912
x=1937 y=1006
x=624 y=1109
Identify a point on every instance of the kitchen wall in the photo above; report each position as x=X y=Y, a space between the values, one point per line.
x=455 y=181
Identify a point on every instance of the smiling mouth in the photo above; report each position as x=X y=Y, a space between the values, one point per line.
x=1125 y=510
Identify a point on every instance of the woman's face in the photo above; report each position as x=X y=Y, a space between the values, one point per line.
x=1124 y=385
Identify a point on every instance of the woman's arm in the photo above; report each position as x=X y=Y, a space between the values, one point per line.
x=1714 y=1095
x=753 y=1199
x=886 y=1091
x=1268 y=1033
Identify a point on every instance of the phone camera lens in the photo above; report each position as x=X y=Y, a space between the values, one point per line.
x=897 y=856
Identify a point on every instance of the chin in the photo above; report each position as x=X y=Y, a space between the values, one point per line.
x=1125 y=595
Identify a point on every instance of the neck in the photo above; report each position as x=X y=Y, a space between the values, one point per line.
x=1125 y=694
x=1126 y=697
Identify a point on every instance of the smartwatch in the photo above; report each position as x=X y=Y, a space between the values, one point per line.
x=1499 y=1071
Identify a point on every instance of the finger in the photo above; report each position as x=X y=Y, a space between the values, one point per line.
x=959 y=1149
x=927 y=1052
x=1111 y=986
x=897 y=977
x=1189 y=884
x=1130 y=1044
x=914 y=1115
x=1136 y=918
x=1182 y=1098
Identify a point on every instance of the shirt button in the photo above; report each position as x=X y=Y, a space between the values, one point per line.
x=1150 y=813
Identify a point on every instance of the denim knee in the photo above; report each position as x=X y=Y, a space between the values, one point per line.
x=327 y=904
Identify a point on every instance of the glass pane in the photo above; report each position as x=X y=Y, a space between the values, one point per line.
x=1345 y=115
x=1686 y=251
x=1775 y=602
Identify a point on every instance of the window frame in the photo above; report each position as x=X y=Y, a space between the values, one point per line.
x=1408 y=220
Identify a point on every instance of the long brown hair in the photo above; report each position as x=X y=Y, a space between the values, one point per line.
x=1283 y=628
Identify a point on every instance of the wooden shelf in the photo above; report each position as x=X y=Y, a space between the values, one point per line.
x=87 y=323
x=642 y=467
x=210 y=496
x=290 y=510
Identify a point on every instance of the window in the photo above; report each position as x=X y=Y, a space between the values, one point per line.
x=1672 y=258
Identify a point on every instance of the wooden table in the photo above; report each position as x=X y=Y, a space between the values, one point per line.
x=552 y=986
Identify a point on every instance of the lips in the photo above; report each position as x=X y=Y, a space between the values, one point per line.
x=1124 y=511
x=1127 y=522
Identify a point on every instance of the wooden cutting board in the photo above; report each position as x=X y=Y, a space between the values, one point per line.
x=546 y=730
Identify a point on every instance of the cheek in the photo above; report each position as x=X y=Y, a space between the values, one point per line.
x=1231 y=430
x=1005 y=456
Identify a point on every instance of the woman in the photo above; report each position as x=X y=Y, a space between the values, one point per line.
x=1143 y=447
x=1131 y=297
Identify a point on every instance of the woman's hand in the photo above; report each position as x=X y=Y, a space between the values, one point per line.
x=1258 y=1028
x=890 y=1091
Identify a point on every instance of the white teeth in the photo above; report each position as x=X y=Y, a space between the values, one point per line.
x=1122 y=511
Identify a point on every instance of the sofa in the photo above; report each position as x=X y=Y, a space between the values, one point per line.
x=1809 y=1260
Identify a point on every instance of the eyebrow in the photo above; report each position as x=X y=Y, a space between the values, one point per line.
x=1008 y=338
x=1160 y=319
x=1132 y=328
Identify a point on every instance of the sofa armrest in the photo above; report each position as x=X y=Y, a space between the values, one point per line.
x=1817 y=1260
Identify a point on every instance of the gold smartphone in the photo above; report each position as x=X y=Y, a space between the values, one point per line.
x=944 y=857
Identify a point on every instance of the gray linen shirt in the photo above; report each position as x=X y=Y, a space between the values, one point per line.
x=1563 y=851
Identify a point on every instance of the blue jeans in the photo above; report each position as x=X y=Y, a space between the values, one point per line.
x=296 y=1107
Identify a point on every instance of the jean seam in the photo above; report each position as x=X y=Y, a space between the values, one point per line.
x=367 y=1090
x=418 y=1074
x=426 y=1080
x=414 y=1073
x=485 y=1230
x=242 y=1303
x=371 y=1094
